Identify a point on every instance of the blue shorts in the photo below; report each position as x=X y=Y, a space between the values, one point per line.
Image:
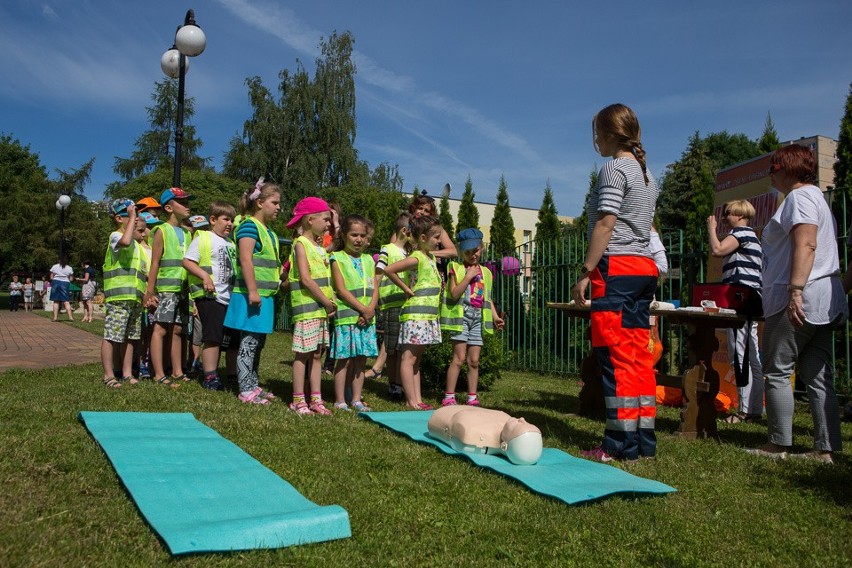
x=471 y=332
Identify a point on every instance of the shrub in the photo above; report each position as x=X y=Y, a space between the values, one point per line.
x=437 y=358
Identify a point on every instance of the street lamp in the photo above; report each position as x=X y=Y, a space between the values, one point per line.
x=62 y=204
x=189 y=42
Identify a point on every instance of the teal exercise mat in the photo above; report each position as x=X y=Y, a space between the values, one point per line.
x=557 y=474
x=203 y=493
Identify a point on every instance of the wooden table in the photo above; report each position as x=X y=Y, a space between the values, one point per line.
x=700 y=382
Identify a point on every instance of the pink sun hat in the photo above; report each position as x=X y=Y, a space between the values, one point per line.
x=307 y=206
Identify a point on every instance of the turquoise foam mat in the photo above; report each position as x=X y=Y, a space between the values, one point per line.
x=557 y=474
x=201 y=492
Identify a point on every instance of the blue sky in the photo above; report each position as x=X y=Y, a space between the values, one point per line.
x=445 y=89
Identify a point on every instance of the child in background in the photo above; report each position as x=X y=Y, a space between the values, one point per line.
x=28 y=294
x=329 y=242
x=166 y=288
x=197 y=223
x=468 y=311
x=258 y=270
x=743 y=264
x=353 y=274
x=209 y=261
x=312 y=301
x=419 y=325
x=124 y=286
x=144 y=355
x=87 y=293
x=391 y=299
x=16 y=293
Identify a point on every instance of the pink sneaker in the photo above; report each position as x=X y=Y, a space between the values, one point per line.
x=252 y=398
x=597 y=454
x=264 y=394
x=300 y=408
x=318 y=407
x=449 y=402
x=472 y=402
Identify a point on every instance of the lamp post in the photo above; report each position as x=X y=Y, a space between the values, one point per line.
x=189 y=42
x=62 y=204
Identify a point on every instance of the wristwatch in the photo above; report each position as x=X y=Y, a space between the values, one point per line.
x=583 y=270
x=791 y=287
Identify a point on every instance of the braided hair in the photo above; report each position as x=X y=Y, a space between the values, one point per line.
x=619 y=122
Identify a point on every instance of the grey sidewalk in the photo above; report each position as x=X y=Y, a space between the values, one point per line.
x=28 y=341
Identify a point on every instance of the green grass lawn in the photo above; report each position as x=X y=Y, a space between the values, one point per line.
x=409 y=504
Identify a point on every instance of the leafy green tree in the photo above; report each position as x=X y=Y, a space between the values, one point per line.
x=842 y=202
x=28 y=194
x=502 y=231
x=768 y=141
x=304 y=141
x=444 y=213
x=154 y=148
x=724 y=149
x=468 y=213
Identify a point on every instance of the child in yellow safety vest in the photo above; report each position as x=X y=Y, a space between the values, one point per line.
x=166 y=290
x=251 y=309
x=210 y=264
x=419 y=325
x=469 y=312
x=124 y=285
x=312 y=301
x=353 y=274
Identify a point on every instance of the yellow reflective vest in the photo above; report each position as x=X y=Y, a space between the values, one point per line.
x=391 y=295
x=124 y=277
x=360 y=286
x=424 y=304
x=171 y=276
x=304 y=305
x=267 y=265
x=452 y=311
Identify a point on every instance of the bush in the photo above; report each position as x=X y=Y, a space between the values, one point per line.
x=437 y=358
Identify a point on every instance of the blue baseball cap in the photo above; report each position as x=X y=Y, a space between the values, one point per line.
x=119 y=206
x=198 y=221
x=174 y=193
x=469 y=239
x=149 y=218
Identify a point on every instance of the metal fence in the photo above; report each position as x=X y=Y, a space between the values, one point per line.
x=547 y=341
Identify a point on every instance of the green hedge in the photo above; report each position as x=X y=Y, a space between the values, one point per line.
x=437 y=358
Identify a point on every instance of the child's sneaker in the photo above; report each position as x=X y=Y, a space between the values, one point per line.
x=360 y=406
x=395 y=391
x=342 y=406
x=252 y=398
x=144 y=372
x=264 y=394
x=318 y=407
x=472 y=402
x=448 y=401
x=300 y=408
x=196 y=369
x=212 y=384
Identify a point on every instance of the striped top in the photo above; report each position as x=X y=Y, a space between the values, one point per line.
x=745 y=264
x=621 y=191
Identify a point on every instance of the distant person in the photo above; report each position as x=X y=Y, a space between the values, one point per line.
x=468 y=311
x=16 y=293
x=60 y=287
x=803 y=302
x=313 y=302
x=419 y=325
x=251 y=309
x=44 y=293
x=210 y=261
x=89 y=288
x=743 y=263
x=623 y=278
x=353 y=275
x=29 y=292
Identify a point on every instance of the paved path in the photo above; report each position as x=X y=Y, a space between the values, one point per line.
x=28 y=341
